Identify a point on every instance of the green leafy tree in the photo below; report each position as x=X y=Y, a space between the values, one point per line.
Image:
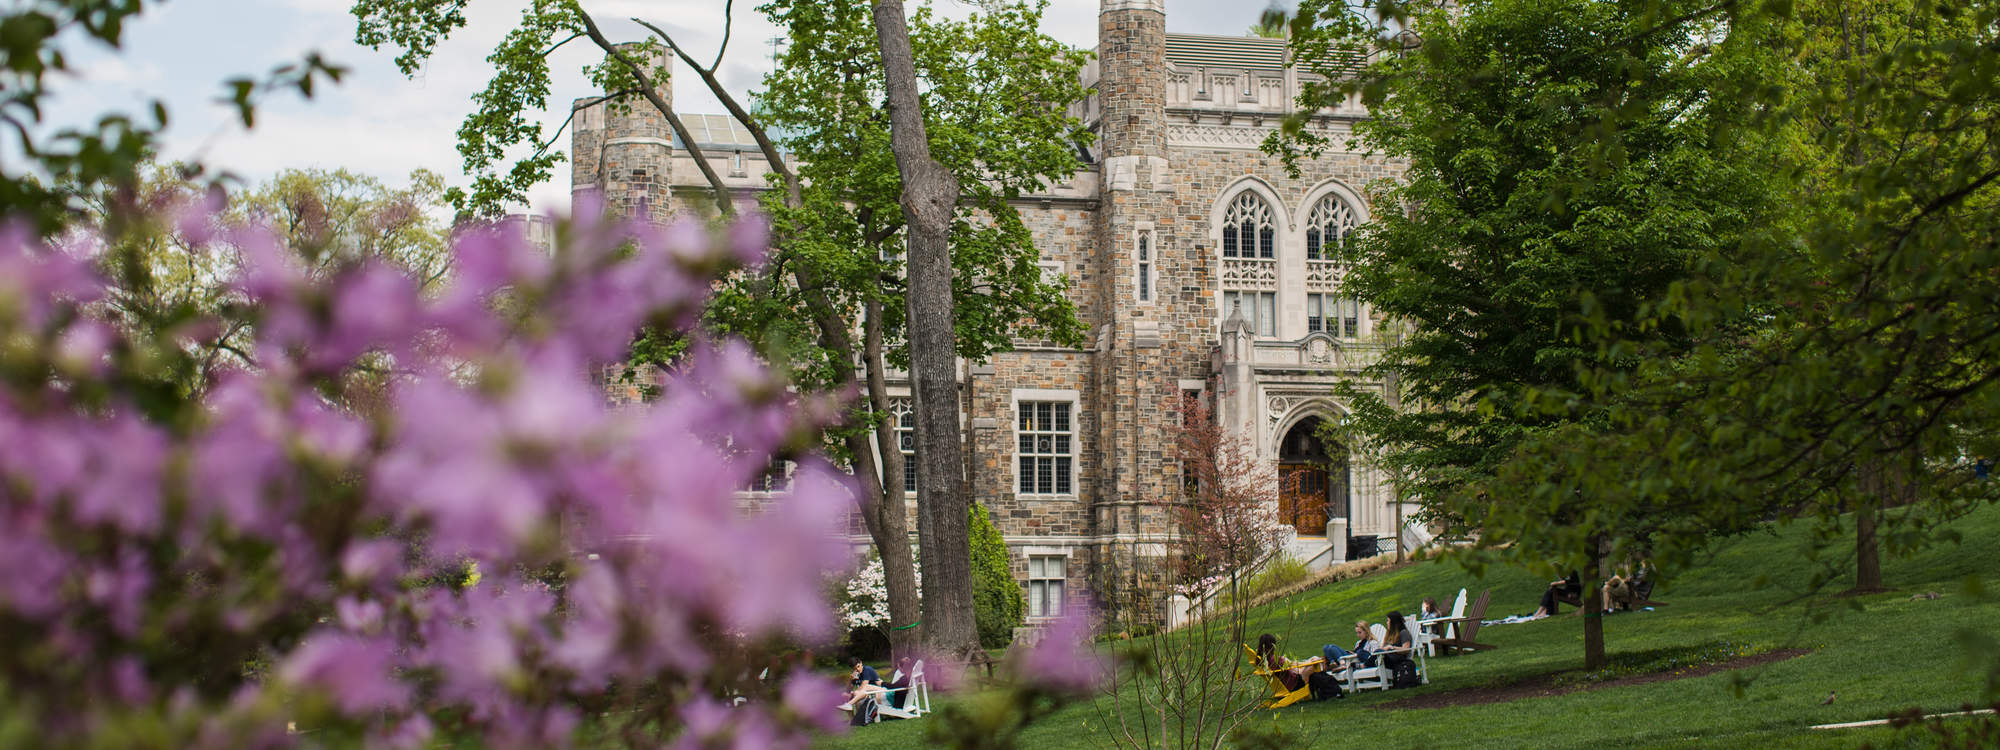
x=1274 y=23
x=996 y=596
x=1843 y=372
x=1567 y=160
x=832 y=300
x=996 y=121
x=170 y=280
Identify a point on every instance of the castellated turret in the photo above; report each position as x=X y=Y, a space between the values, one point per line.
x=624 y=148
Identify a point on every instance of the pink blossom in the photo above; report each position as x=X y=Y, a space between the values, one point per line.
x=807 y=695
x=371 y=561
x=265 y=498
x=119 y=590
x=356 y=672
x=34 y=568
x=1063 y=660
x=83 y=348
x=372 y=307
x=360 y=616
x=123 y=486
x=411 y=733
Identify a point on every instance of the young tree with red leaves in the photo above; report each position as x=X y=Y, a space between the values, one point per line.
x=1182 y=688
x=1227 y=517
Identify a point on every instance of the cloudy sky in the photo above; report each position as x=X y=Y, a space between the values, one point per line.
x=382 y=123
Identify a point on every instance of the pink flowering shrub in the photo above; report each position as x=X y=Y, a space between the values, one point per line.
x=203 y=570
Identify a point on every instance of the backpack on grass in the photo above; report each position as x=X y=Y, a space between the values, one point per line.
x=1324 y=685
x=1402 y=671
x=864 y=712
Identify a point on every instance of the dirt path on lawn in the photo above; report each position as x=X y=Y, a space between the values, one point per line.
x=1544 y=686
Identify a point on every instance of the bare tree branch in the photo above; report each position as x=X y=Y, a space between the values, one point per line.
x=652 y=93
x=776 y=160
x=727 y=20
x=594 y=101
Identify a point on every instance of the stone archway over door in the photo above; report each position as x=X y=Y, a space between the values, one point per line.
x=1313 y=481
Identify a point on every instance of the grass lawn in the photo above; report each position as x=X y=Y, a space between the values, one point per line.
x=1879 y=653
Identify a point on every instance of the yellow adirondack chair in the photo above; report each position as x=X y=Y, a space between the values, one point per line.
x=1280 y=695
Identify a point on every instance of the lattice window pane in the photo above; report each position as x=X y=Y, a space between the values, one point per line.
x=1333 y=219
x=1046 y=576
x=904 y=415
x=1046 y=448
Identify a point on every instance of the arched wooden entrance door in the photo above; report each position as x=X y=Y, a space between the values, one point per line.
x=1312 y=479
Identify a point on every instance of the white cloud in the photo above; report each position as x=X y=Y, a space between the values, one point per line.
x=119 y=71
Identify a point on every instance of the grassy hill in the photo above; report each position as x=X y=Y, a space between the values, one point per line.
x=1878 y=654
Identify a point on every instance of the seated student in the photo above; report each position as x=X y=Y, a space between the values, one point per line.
x=1622 y=591
x=1430 y=612
x=1291 y=677
x=899 y=683
x=1364 y=649
x=1396 y=636
x=1397 y=652
x=864 y=682
x=1571 y=586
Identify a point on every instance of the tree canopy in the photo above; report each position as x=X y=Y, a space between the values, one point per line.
x=1567 y=161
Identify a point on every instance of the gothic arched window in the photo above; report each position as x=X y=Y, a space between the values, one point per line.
x=1250 y=264
x=1327 y=227
x=1247 y=229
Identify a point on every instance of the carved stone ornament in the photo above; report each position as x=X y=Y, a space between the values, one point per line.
x=1249 y=273
x=1319 y=351
x=1222 y=136
x=1279 y=405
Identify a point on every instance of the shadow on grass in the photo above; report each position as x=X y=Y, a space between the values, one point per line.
x=1629 y=668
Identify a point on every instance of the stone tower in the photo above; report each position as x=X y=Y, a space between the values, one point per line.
x=624 y=149
x=1133 y=363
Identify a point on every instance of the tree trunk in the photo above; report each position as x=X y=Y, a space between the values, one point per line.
x=1593 y=610
x=1873 y=484
x=930 y=196
x=897 y=565
x=1867 y=552
x=881 y=501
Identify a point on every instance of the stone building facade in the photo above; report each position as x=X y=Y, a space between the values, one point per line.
x=1198 y=265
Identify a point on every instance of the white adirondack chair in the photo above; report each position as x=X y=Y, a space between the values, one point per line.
x=916 y=703
x=1450 y=630
x=1368 y=678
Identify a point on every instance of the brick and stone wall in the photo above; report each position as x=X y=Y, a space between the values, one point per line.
x=623 y=150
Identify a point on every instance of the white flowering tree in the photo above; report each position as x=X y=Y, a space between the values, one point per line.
x=865 y=601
